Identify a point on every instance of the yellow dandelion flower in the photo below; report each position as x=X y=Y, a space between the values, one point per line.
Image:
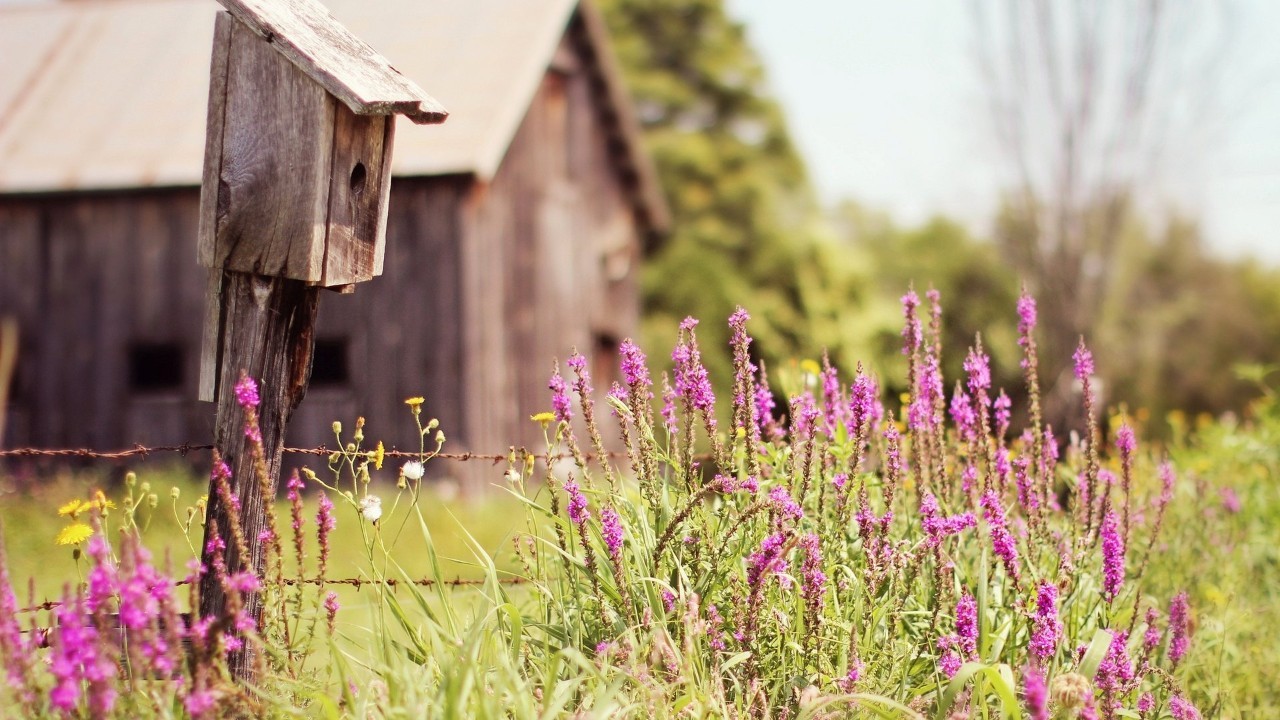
x=543 y=418
x=379 y=455
x=74 y=534
x=74 y=508
x=811 y=366
x=415 y=402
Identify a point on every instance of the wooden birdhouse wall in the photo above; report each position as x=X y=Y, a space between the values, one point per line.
x=301 y=181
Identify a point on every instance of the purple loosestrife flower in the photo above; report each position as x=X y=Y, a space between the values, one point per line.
x=765 y=405
x=1002 y=406
x=1115 y=673
x=961 y=646
x=920 y=414
x=912 y=333
x=1028 y=498
x=766 y=561
x=331 y=610
x=221 y=473
x=1180 y=640
x=1037 y=694
x=1146 y=703
x=668 y=600
x=1181 y=709
x=968 y=478
x=1112 y=557
x=76 y=658
x=936 y=526
x=692 y=381
x=804 y=413
x=611 y=531
x=635 y=368
x=978 y=367
x=669 y=406
x=835 y=410
x=1002 y=540
x=247 y=392
x=851 y=678
x=785 y=504
x=715 y=628
x=294 y=494
x=200 y=703
x=1125 y=441
x=813 y=579
x=1046 y=626
x=102 y=578
x=1151 y=637
x=862 y=400
x=1026 y=316
x=13 y=650
x=1230 y=500
x=1083 y=362
x=325 y=524
x=621 y=394
x=963 y=415
x=577 y=508
x=560 y=403
x=578 y=363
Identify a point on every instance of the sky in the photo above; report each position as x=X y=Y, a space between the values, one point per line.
x=886 y=103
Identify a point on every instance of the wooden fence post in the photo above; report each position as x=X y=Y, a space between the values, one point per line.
x=268 y=333
x=294 y=198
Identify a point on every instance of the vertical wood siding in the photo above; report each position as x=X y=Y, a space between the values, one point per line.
x=483 y=285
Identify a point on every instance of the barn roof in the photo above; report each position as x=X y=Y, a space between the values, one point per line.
x=111 y=94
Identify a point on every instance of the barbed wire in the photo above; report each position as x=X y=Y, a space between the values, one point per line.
x=357 y=583
x=139 y=450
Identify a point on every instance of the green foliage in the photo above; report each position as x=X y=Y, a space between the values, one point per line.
x=746 y=226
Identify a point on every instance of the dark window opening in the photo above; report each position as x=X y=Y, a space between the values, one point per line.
x=604 y=362
x=329 y=365
x=155 y=367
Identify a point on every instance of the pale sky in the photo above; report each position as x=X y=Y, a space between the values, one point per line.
x=885 y=101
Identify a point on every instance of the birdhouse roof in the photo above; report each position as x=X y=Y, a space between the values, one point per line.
x=308 y=35
x=112 y=94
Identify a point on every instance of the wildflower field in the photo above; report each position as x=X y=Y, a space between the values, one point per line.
x=802 y=548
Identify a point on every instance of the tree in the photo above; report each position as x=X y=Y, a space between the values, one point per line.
x=747 y=229
x=1085 y=97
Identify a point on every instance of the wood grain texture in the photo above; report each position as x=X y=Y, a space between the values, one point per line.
x=305 y=33
x=269 y=335
x=210 y=185
x=356 y=226
x=273 y=186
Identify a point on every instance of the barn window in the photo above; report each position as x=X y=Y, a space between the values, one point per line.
x=604 y=362
x=329 y=364
x=155 y=367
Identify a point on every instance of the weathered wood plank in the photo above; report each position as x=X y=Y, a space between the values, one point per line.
x=214 y=134
x=358 y=193
x=269 y=334
x=305 y=32
x=277 y=143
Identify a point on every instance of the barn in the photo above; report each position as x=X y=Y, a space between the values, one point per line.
x=515 y=229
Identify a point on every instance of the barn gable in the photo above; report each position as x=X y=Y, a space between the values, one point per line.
x=508 y=242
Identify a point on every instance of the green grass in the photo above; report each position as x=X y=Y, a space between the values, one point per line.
x=31 y=522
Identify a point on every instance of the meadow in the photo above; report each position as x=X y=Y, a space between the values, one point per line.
x=791 y=547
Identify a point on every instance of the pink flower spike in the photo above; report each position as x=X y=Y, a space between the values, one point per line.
x=247 y=392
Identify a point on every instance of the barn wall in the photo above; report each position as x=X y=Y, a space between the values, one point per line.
x=100 y=290
x=551 y=255
x=399 y=332
x=484 y=284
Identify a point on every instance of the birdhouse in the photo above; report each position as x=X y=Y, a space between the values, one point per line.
x=298 y=145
